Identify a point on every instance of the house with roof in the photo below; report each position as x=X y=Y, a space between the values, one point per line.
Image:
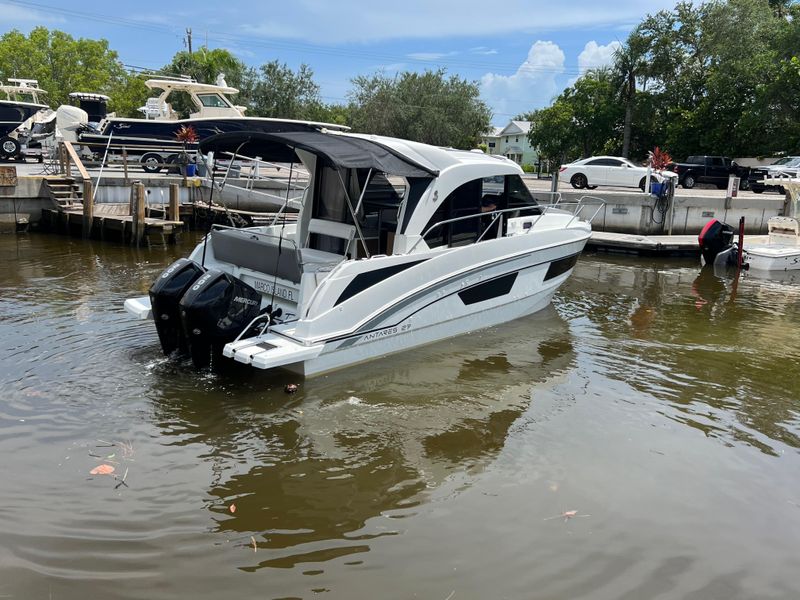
x=512 y=142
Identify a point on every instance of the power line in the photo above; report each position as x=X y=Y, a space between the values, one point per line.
x=303 y=48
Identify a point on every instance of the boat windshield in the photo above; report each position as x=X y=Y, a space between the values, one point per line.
x=212 y=101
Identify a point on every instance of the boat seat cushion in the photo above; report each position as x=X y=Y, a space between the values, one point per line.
x=252 y=251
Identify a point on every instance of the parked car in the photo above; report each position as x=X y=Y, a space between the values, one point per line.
x=607 y=170
x=788 y=166
x=709 y=169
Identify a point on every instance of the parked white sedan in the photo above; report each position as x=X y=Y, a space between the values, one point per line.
x=606 y=170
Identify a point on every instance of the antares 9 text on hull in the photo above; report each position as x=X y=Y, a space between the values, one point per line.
x=397 y=244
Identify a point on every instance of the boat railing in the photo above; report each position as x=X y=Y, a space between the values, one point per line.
x=498 y=215
x=579 y=206
x=255 y=170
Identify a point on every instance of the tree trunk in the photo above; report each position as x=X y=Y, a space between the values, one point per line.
x=626 y=132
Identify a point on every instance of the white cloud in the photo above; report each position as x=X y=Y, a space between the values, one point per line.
x=595 y=56
x=532 y=86
x=482 y=50
x=326 y=22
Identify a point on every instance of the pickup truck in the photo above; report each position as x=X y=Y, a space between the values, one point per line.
x=788 y=166
x=709 y=169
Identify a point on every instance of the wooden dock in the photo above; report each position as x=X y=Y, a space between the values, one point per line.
x=125 y=222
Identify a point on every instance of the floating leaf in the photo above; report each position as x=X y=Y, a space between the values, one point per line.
x=102 y=470
x=232 y=508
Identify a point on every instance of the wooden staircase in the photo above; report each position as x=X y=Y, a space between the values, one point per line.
x=65 y=192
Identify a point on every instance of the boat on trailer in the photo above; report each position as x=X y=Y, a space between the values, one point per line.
x=207 y=108
x=18 y=114
x=397 y=244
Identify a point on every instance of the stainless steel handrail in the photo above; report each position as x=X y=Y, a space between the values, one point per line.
x=558 y=205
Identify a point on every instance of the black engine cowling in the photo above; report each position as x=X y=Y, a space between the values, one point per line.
x=715 y=238
x=214 y=311
x=165 y=295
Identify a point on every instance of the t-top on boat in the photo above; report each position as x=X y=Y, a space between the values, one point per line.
x=396 y=244
x=17 y=111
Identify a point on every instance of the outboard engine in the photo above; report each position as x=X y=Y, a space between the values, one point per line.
x=69 y=119
x=715 y=238
x=165 y=295
x=214 y=311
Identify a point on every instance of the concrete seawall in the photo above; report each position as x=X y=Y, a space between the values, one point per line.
x=641 y=214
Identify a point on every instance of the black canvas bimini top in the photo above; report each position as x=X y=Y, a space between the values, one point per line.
x=338 y=151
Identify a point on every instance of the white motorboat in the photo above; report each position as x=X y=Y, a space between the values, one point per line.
x=397 y=244
x=781 y=250
x=18 y=113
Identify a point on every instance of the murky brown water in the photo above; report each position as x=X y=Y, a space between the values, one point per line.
x=660 y=407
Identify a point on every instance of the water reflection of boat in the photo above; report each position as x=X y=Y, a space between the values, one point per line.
x=351 y=449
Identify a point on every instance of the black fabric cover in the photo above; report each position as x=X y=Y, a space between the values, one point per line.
x=338 y=151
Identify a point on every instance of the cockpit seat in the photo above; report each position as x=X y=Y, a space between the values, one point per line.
x=257 y=252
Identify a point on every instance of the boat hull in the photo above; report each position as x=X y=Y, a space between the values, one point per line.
x=773 y=258
x=496 y=292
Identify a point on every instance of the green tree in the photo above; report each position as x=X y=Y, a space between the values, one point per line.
x=284 y=93
x=428 y=107
x=629 y=68
x=552 y=131
x=583 y=121
x=63 y=64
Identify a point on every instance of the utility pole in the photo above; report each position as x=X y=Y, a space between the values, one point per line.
x=189 y=39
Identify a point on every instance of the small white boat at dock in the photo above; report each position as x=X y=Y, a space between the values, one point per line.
x=781 y=250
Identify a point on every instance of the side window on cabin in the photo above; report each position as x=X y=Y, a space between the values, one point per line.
x=466 y=203
x=519 y=196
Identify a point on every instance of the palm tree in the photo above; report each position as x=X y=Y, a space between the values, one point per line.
x=629 y=66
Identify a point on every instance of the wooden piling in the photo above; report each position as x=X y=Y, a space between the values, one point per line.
x=67 y=161
x=138 y=213
x=174 y=213
x=88 y=207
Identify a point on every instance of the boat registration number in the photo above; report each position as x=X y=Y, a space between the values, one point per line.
x=279 y=291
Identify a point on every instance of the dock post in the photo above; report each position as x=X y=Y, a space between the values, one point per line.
x=62 y=165
x=174 y=203
x=138 y=213
x=125 y=165
x=67 y=162
x=88 y=207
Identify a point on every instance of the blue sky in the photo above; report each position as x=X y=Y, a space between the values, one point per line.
x=523 y=53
